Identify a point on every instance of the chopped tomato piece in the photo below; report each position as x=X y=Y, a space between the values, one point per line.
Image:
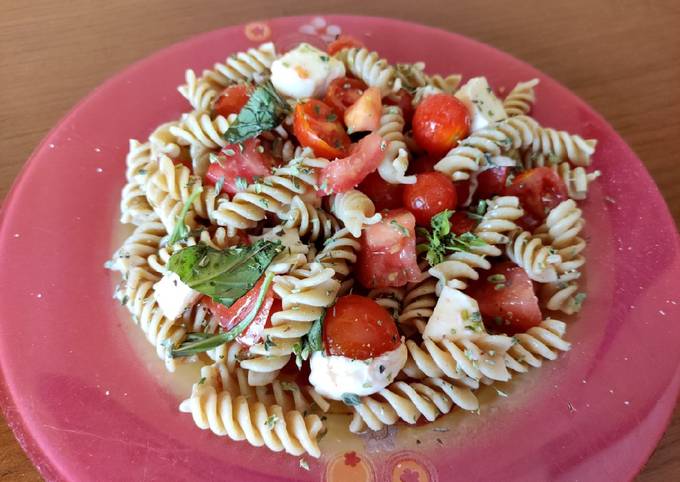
x=343 y=92
x=491 y=182
x=344 y=174
x=423 y=164
x=344 y=42
x=440 y=121
x=383 y=194
x=232 y=99
x=234 y=314
x=462 y=223
x=539 y=190
x=404 y=100
x=432 y=193
x=462 y=192
x=317 y=126
x=388 y=251
x=359 y=328
x=239 y=164
x=506 y=299
x=364 y=114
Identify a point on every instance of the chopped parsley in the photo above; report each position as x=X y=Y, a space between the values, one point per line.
x=271 y=421
x=441 y=239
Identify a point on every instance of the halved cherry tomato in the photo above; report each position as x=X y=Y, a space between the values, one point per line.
x=344 y=174
x=317 y=126
x=432 y=193
x=462 y=223
x=423 y=164
x=539 y=190
x=388 y=251
x=439 y=122
x=506 y=298
x=491 y=182
x=462 y=192
x=364 y=114
x=383 y=194
x=359 y=328
x=232 y=99
x=343 y=92
x=234 y=314
x=344 y=42
x=245 y=161
x=404 y=100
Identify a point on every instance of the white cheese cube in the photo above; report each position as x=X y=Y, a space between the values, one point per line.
x=174 y=296
x=455 y=314
x=485 y=108
x=305 y=72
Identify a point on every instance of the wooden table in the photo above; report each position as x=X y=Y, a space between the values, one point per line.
x=621 y=56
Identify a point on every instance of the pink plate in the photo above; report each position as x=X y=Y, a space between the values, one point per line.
x=87 y=405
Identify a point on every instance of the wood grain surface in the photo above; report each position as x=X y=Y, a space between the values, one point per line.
x=621 y=56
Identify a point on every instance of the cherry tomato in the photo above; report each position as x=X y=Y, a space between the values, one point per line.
x=317 y=126
x=432 y=193
x=344 y=42
x=232 y=99
x=423 y=164
x=359 y=328
x=364 y=114
x=440 y=121
x=404 y=100
x=344 y=174
x=245 y=161
x=462 y=192
x=539 y=190
x=388 y=251
x=383 y=194
x=506 y=298
x=462 y=223
x=491 y=182
x=343 y=92
x=234 y=314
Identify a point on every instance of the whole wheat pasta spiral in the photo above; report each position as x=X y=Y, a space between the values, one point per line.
x=142 y=243
x=199 y=129
x=355 y=210
x=395 y=161
x=542 y=342
x=520 y=99
x=538 y=261
x=310 y=221
x=339 y=253
x=242 y=67
x=199 y=92
x=369 y=67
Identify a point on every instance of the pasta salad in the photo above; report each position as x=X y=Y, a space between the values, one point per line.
x=325 y=232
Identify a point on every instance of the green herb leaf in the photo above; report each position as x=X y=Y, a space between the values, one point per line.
x=241 y=183
x=350 y=399
x=192 y=348
x=181 y=230
x=271 y=421
x=441 y=239
x=225 y=275
x=219 y=185
x=264 y=110
x=314 y=338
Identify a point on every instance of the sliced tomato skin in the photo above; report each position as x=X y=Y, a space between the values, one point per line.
x=231 y=100
x=539 y=190
x=404 y=100
x=510 y=306
x=439 y=122
x=359 y=328
x=423 y=164
x=344 y=174
x=231 y=316
x=245 y=162
x=491 y=182
x=383 y=194
x=342 y=93
x=388 y=252
x=462 y=192
x=364 y=114
x=344 y=42
x=432 y=193
x=317 y=126
x=462 y=223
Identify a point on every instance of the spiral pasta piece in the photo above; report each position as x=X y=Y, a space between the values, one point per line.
x=498 y=220
x=429 y=398
x=304 y=294
x=542 y=342
x=355 y=210
x=134 y=207
x=251 y=65
x=576 y=179
x=143 y=242
x=199 y=129
x=163 y=142
x=394 y=164
x=199 y=92
x=339 y=253
x=369 y=67
x=413 y=77
x=261 y=425
x=311 y=222
x=520 y=99
x=418 y=304
x=537 y=260
x=564 y=146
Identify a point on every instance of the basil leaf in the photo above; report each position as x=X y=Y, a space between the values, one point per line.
x=264 y=110
x=225 y=275
x=181 y=231
x=189 y=348
x=315 y=335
